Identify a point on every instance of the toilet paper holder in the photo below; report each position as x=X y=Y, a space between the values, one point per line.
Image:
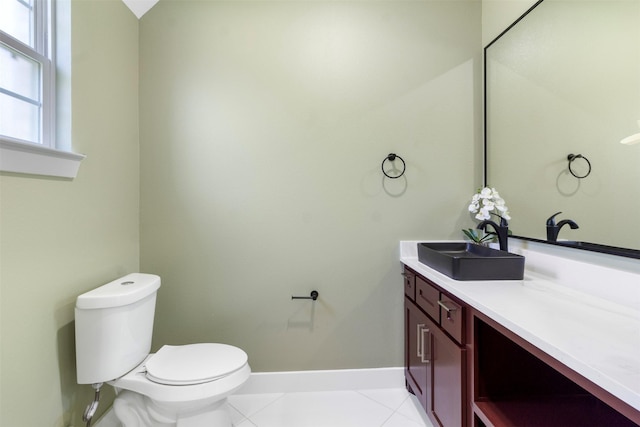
x=313 y=296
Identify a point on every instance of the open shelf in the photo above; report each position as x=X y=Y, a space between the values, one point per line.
x=515 y=388
x=549 y=411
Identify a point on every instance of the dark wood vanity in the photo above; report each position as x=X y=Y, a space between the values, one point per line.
x=467 y=370
x=435 y=350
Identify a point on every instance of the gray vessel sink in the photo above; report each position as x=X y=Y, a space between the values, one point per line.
x=468 y=261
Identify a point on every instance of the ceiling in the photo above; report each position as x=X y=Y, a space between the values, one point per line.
x=140 y=7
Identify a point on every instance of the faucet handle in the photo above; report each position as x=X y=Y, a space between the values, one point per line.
x=551 y=221
x=503 y=221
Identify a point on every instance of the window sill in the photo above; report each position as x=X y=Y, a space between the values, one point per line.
x=37 y=160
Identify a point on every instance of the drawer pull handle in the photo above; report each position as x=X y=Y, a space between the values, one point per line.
x=444 y=306
x=449 y=310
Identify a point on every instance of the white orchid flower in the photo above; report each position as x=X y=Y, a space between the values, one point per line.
x=485 y=193
x=486 y=200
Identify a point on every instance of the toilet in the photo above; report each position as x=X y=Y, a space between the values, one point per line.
x=181 y=386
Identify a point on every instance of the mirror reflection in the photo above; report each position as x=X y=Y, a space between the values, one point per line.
x=565 y=81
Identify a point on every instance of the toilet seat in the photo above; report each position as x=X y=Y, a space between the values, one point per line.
x=137 y=380
x=194 y=363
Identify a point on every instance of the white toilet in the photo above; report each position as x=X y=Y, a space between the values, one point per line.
x=182 y=386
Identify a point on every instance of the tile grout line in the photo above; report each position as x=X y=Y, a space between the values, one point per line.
x=382 y=404
x=396 y=412
x=261 y=409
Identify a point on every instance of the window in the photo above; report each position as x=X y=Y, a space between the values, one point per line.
x=27 y=90
x=26 y=73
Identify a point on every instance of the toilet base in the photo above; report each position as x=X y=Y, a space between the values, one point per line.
x=135 y=410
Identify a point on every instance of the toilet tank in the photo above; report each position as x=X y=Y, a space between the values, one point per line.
x=114 y=325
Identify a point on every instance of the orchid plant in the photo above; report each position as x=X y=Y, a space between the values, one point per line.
x=485 y=202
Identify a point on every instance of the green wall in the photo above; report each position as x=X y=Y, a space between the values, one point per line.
x=256 y=175
x=60 y=238
x=262 y=129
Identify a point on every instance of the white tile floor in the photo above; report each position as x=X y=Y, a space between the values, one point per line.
x=392 y=407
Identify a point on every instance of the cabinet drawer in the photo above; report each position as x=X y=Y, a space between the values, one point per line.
x=451 y=317
x=409 y=284
x=427 y=298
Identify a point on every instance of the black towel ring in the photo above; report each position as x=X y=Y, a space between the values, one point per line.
x=571 y=158
x=392 y=157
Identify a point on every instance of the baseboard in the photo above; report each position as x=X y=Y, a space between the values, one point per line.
x=296 y=381
x=326 y=380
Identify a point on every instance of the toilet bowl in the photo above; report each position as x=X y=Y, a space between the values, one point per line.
x=178 y=386
x=183 y=386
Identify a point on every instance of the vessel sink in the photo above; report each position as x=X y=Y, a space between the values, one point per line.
x=468 y=261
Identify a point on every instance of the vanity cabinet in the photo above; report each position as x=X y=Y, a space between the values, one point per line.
x=467 y=370
x=435 y=353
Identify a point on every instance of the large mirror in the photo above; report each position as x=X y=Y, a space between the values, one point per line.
x=565 y=80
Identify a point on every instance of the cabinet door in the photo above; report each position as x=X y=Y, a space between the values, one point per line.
x=448 y=374
x=417 y=352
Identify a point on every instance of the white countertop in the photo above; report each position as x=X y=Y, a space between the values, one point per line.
x=596 y=337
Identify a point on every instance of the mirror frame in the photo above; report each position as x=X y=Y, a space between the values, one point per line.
x=587 y=246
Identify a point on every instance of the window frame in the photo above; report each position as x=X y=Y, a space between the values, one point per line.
x=47 y=156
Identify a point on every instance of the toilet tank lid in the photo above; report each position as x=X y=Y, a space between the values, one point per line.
x=120 y=292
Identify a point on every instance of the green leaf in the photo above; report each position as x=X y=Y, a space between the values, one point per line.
x=473 y=235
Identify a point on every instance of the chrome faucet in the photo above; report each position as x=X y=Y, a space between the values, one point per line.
x=553 y=229
x=502 y=231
